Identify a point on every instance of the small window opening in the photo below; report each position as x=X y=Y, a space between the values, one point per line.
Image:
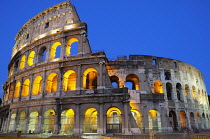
x=47 y=25
x=167 y=75
x=154 y=62
x=175 y=65
x=27 y=36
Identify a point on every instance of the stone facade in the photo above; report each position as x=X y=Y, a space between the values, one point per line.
x=56 y=85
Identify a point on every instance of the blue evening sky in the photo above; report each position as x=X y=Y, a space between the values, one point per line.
x=177 y=29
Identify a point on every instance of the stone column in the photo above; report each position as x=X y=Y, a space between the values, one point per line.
x=101 y=120
x=126 y=130
x=188 y=119
x=79 y=79
x=41 y=121
x=31 y=86
x=77 y=122
x=44 y=82
x=100 y=83
x=27 y=120
x=62 y=52
x=48 y=49
x=60 y=76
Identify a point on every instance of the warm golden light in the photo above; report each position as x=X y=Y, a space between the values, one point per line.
x=53 y=50
x=25 y=89
x=17 y=90
x=90 y=78
x=52 y=81
x=22 y=62
x=69 y=80
x=37 y=85
x=158 y=87
x=31 y=58
x=68 y=46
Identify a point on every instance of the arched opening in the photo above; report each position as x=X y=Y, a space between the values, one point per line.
x=138 y=118
x=31 y=58
x=132 y=82
x=67 y=122
x=154 y=120
x=37 y=85
x=33 y=122
x=199 y=97
x=25 y=89
x=72 y=47
x=115 y=81
x=17 y=90
x=169 y=91
x=193 y=92
x=204 y=121
x=11 y=70
x=90 y=79
x=183 y=119
x=52 y=82
x=167 y=75
x=11 y=90
x=21 y=121
x=69 y=80
x=158 y=87
x=55 y=50
x=187 y=89
x=22 y=62
x=113 y=120
x=42 y=54
x=16 y=66
x=173 y=120
x=49 y=120
x=90 y=121
x=178 y=91
x=192 y=120
x=12 y=122
x=199 y=120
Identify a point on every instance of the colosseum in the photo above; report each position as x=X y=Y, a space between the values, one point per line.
x=57 y=85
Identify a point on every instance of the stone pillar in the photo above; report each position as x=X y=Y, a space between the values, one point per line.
x=100 y=83
x=41 y=121
x=101 y=120
x=27 y=120
x=78 y=121
x=44 y=82
x=62 y=52
x=21 y=90
x=188 y=119
x=31 y=86
x=48 y=49
x=56 y=124
x=79 y=78
x=60 y=76
x=126 y=130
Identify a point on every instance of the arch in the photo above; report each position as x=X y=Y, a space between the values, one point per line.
x=187 y=89
x=16 y=65
x=52 y=82
x=42 y=54
x=115 y=81
x=33 y=121
x=113 y=120
x=90 y=121
x=199 y=120
x=138 y=118
x=72 y=47
x=25 y=89
x=31 y=58
x=11 y=71
x=199 y=96
x=192 y=120
x=12 y=122
x=193 y=92
x=17 y=90
x=22 y=62
x=173 y=119
x=69 y=80
x=134 y=80
x=37 y=85
x=158 y=87
x=21 y=121
x=11 y=91
x=183 y=119
x=49 y=121
x=169 y=91
x=167 y=75
x=154 y=120
x=54 y=52
x=178 y=90
x=204 y=121
x=90 y=78
x=67 y=122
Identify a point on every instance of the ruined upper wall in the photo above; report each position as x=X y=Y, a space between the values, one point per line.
x=57 y=18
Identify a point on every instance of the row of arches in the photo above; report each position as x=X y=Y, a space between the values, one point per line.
x=41 y=55
x=69 y=82
x=90 y=121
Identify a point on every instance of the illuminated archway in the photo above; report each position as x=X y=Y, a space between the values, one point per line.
x=12 y=122
x=11 y=91
x=17 y=90
x=113 y=120
x=138 y=117
x=72 y=49
x=69 y=80
x=183 y=119
x=54 y=52
x=52 y=82
x=33 y=122
x=115 y=81
x=49 y=121
x=67 y=122
x=25 y=89
x=90 y=79
x=21 y=121
x=133 y=80
x=154 y=120
x=90 y=121
x=187 y=89
x=11 y=71
x=22 y=62
x=31 y=58
x=193 y=92
x=199 y=119
x=158 y=87
x=37 y=85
